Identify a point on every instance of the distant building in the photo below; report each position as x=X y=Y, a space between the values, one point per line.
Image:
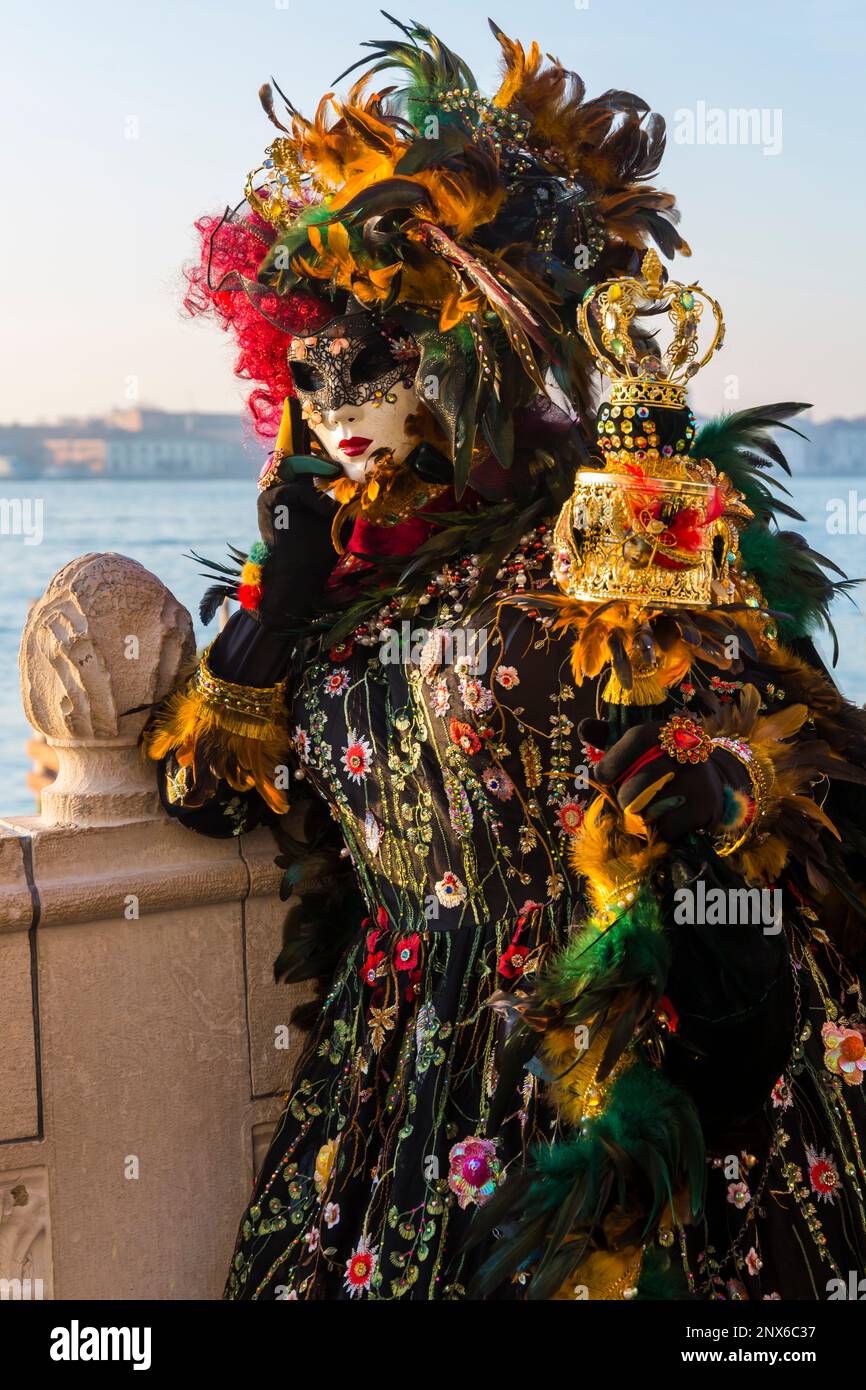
x=836 y=446
x=135 y=443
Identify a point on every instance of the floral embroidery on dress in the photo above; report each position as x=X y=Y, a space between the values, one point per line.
x=336 y=683
x=475 y=696
x=450 y=891
x=357 y=757
x=781 y=1095
x=738 y=1194
x=823 y=1174
x=465 y=737
x=844 y=1052
x=571 y=817
x=441 y=699
x=360 y=1268
x=301 y=743
x=498 y=783
x=474 y=1171
x=754 y=1263
x=507 y=677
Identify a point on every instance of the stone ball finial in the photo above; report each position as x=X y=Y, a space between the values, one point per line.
x=107 y=636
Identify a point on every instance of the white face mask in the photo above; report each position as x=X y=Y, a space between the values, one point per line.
x=351 y=435
x=355 y=381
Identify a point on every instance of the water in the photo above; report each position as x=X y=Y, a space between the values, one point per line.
x=155 y=522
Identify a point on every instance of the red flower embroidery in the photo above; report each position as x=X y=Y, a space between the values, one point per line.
x=371 y=965
x=823 y=1174
x=375 y=932
x=357 y=757
x=342 y=651
x=667 y=1015
x=406 y=952
x=360 y=1268
x=571 y=817
x=512 y=962
x=464 y=736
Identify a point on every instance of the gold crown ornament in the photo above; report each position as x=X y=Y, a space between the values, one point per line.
x=639 y=372
x=654 y=524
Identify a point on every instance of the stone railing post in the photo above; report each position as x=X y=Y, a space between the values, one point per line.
x=107 y=636
x=145 y=1041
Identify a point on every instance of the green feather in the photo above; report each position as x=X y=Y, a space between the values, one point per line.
x=742 y=446
x=793 y=580
x=649 y=1128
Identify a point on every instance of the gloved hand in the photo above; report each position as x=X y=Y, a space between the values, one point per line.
x=256 y=644
x=675 y=797
x=295 y=524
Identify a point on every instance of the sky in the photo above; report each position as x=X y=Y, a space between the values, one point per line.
x=123 y=122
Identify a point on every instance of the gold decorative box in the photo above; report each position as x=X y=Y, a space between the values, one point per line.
x=641 y=537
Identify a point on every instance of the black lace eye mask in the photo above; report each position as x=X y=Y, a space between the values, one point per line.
x=352 y=361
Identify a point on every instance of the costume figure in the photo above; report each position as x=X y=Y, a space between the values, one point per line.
x=530 y=699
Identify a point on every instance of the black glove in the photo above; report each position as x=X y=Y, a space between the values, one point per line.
x=295 y=523
x=692 y=797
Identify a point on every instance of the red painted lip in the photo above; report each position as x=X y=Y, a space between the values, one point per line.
x=354 y=446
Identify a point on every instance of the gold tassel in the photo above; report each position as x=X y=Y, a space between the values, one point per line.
x=646 y=689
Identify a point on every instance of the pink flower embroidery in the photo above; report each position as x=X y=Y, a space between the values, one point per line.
x=754 y=1263
x=498 y=783
x=474 y=1171
x=738 y=1194
x=476 y=697
x=441 y=701
x=507 y=677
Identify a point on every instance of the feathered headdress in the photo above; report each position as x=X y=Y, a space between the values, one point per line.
x=478 y=222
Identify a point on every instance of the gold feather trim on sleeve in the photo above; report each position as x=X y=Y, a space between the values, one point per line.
x=237 y=733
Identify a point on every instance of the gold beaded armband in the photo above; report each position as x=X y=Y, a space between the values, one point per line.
x=217 y=729
x=762 y=779
x=250 y=710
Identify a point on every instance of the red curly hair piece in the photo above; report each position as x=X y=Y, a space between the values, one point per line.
x=231 y=248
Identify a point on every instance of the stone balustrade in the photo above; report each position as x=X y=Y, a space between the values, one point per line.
x=142 y=1065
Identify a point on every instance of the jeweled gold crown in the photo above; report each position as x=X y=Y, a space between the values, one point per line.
x=655 y=525
x=639 y=373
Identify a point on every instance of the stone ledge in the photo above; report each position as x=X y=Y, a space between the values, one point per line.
x=86 y=874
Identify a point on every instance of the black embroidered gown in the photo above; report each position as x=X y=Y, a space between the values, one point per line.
x=455 y=778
